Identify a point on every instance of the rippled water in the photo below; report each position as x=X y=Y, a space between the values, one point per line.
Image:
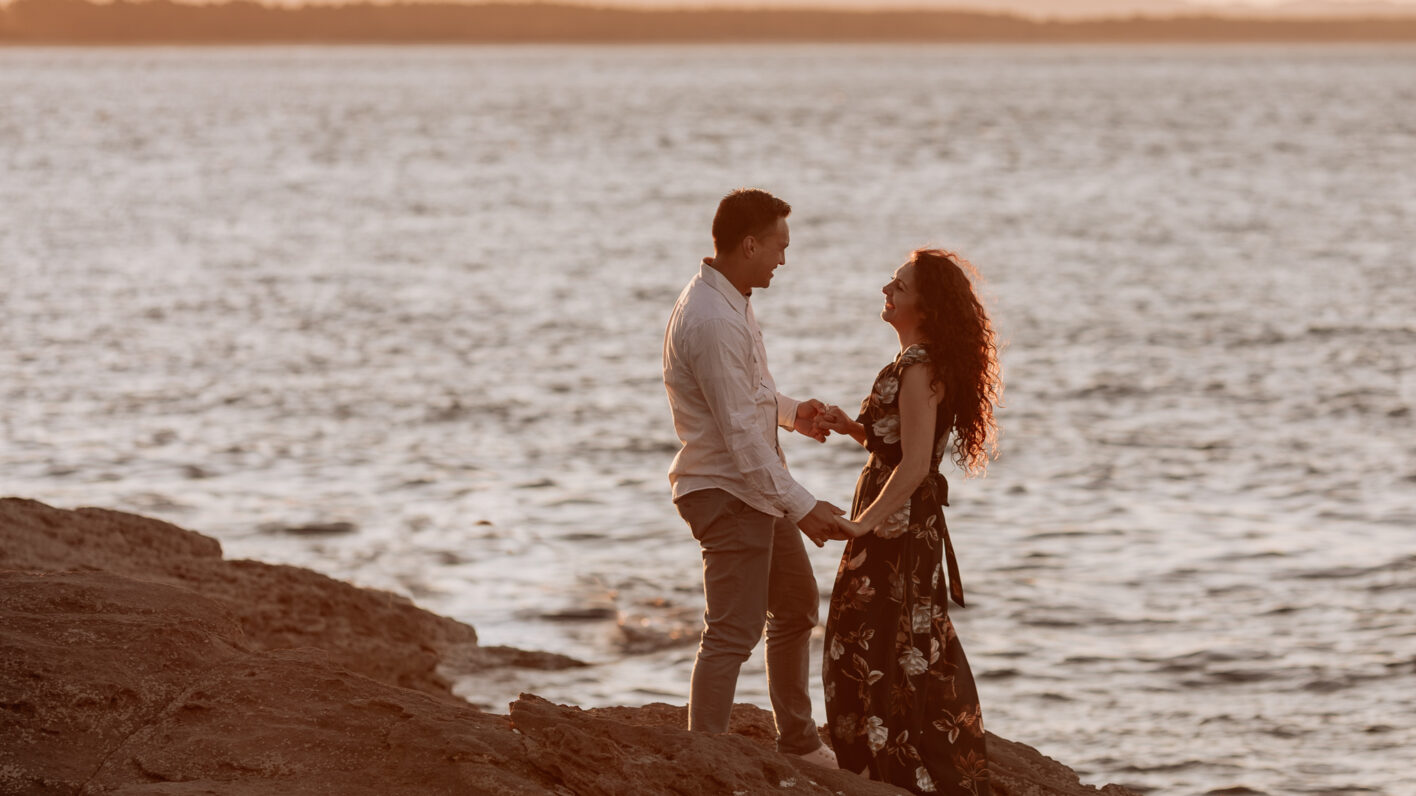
x=422 y=291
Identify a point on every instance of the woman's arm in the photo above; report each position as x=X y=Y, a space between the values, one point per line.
x=836 y=420
x=918 y=403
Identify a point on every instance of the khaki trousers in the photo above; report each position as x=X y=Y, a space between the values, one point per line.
x=755 y=574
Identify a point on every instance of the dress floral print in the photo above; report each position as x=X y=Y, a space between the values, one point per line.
x=900 y=699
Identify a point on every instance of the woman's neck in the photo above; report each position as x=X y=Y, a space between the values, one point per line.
x=910 y=336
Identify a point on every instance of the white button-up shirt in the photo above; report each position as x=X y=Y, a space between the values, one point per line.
x=725 y=405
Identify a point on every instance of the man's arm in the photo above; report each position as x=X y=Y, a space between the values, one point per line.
x=720 y=358
x=787 y=411
x=808 y=420
x=721 y=362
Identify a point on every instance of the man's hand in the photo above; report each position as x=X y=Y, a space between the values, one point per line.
x=820 y=524
x=808 y=415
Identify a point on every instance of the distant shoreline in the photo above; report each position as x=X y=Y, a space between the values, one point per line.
x=156 y=22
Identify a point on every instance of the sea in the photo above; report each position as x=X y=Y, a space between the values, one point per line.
x=395 y=314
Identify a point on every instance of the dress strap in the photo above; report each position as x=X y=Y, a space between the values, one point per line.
x=911 y=355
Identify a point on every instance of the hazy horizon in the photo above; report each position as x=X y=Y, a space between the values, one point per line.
x=509 y=21
x=1031 y=8
x=1035 y=8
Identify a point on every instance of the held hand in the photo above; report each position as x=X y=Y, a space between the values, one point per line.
x=808 y=419
x=848 y=530
x=834 y=419
x=819 y=524
x=839 y=531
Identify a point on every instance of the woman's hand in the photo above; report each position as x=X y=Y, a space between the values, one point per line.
x=835 y=419
x=808 y=420
x=850 y=530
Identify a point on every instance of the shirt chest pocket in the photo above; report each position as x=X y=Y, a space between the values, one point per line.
x=759 y=368
x=764 y=400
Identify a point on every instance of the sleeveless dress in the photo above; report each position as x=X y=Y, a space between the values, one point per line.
x=900 y=699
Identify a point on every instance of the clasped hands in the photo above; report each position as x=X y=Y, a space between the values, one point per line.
x=825 y=521
x=817 y=420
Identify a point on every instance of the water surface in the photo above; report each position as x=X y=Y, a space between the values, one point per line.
x=422 y=291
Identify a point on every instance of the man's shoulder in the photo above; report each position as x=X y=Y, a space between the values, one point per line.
x=702 y=324
x=701 y=304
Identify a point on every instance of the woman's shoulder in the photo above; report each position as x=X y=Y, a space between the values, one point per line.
x=916 y=354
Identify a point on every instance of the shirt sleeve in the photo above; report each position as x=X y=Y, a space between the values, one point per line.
x=786 y=411
x=721 y=361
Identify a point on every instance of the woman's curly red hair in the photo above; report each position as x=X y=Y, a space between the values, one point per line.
x=964 y=353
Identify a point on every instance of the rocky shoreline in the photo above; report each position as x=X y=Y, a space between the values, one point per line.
x=135 y=659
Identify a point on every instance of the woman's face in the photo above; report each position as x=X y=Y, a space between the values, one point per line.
x=902 y=308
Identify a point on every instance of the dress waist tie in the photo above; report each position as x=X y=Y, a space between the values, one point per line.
x=939 y=486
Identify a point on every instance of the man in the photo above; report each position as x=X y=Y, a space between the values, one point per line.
x=730 y=480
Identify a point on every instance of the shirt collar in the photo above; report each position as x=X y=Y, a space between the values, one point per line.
x=720 y=283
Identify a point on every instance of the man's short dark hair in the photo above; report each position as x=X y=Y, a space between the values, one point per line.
x=746 y=211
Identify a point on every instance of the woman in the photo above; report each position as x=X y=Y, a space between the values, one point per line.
x=900 y=699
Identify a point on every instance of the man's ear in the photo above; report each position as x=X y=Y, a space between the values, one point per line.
x=749 y=247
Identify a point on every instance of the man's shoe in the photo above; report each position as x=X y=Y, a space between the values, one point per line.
x=822 y=756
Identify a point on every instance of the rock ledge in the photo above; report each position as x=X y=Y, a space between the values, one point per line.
x=134 y=659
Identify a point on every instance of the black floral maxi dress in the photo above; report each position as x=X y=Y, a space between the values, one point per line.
x=900 y=699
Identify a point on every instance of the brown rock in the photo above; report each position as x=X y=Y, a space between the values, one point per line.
x=84 y=664
x=1020 y=770
x=594 y=755
x=109 y=684
x=1016 y=769
x=134 y=660
x=376 y=633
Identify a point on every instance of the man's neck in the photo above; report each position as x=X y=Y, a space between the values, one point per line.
x=732 y=272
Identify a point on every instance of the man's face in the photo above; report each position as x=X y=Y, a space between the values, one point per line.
x=769 y=250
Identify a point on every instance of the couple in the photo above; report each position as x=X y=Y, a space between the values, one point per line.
x=900 y=699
